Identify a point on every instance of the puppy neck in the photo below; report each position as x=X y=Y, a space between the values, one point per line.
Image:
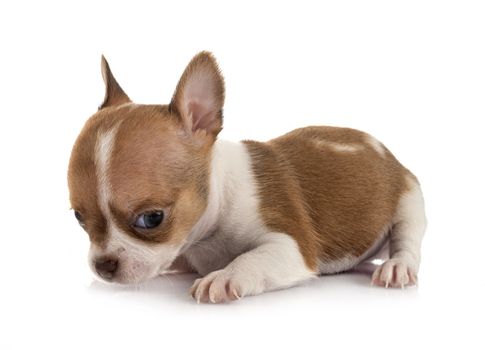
x=223 y=184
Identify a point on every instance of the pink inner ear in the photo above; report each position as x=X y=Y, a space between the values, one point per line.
x=200 y=100
x=201 y=116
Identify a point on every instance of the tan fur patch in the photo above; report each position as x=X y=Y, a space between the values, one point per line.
x=332 y=203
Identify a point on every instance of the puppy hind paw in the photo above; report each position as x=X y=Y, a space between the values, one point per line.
x=394 y=273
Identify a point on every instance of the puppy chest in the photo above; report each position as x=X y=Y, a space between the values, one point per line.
x=214 y=253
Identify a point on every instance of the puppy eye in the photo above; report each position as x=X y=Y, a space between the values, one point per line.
x=149 y=220
x=78 y=215
x=79 y=218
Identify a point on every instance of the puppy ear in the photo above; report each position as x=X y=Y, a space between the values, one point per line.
x=199 y=96
x=114 y=93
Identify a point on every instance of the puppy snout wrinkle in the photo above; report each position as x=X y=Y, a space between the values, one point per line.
x=106 y=267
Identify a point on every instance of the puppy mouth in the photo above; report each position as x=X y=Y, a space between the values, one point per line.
x=134 y=273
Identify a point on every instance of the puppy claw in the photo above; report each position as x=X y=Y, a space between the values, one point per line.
x=372 y=282
x=212 y=297
x=217 y=287
x=234 y=292
x=394 y=273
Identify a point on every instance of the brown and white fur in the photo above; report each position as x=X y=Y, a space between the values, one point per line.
x=249 y=217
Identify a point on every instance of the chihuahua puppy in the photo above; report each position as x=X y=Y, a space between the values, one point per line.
x=156 y=190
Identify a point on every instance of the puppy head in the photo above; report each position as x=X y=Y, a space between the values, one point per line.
x=138 y=174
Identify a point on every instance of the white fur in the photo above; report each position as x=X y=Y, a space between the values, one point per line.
x=102 y=157
x=242 y=251
x=340 y=147
x=409 y=226
x=353 y=147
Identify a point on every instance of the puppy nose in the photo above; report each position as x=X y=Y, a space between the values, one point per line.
x=106 y=267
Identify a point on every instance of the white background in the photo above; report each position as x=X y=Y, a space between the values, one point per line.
x=412 y=73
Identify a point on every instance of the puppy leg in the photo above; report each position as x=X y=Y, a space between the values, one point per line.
x=275 y=263
x=405 y=242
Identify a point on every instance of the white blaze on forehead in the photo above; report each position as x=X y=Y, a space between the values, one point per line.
x=104 y=151
x=102 y=157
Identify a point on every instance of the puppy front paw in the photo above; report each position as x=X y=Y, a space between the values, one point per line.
x=394 y=273
x=221 y=286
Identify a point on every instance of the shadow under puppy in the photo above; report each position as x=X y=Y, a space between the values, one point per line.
x=156 y=191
